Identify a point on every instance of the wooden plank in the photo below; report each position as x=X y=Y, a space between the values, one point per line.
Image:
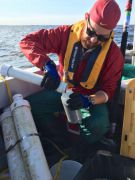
x=128 y=131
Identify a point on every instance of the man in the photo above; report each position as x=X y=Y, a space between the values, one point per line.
x=89 y=61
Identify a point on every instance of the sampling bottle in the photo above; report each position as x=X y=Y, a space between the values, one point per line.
x=74 y=116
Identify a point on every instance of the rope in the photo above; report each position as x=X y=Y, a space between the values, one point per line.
x=7 y=88
x=58 y=168
x=59 y=165
x=56 y=147
x=4 y=175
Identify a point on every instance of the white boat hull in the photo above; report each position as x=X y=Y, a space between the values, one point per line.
x=16 y=87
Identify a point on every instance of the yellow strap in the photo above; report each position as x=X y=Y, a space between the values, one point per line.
x=75 y=37
x=7 y=87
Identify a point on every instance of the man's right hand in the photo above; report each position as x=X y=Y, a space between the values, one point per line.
x=51 y=78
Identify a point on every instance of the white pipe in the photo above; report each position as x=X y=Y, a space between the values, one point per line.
x=10 y=71
x=32 y=152
x=15 y=162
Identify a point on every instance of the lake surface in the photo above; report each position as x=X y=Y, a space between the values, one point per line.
x=10 y=37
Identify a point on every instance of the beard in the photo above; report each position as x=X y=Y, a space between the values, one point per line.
x=86 y=42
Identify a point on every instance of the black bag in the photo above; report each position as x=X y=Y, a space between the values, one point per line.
x=107 y=166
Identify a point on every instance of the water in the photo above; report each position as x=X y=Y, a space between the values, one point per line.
x=10 y=37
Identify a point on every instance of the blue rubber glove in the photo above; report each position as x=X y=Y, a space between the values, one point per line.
x=51 y=78
x=77 y=101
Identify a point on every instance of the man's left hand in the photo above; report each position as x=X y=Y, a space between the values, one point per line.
x=77 y=101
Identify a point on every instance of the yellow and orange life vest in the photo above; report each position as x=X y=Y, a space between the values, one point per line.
x=74 y=37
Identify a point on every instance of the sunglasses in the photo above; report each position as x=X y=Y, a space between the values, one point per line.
x=92 y=33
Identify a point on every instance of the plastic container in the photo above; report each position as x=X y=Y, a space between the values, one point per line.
x=69 y=169
x=72 y=116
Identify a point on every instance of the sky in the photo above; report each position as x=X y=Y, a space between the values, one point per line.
x=49 y=12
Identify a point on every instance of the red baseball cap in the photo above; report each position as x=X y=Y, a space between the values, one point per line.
x=105 y=13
